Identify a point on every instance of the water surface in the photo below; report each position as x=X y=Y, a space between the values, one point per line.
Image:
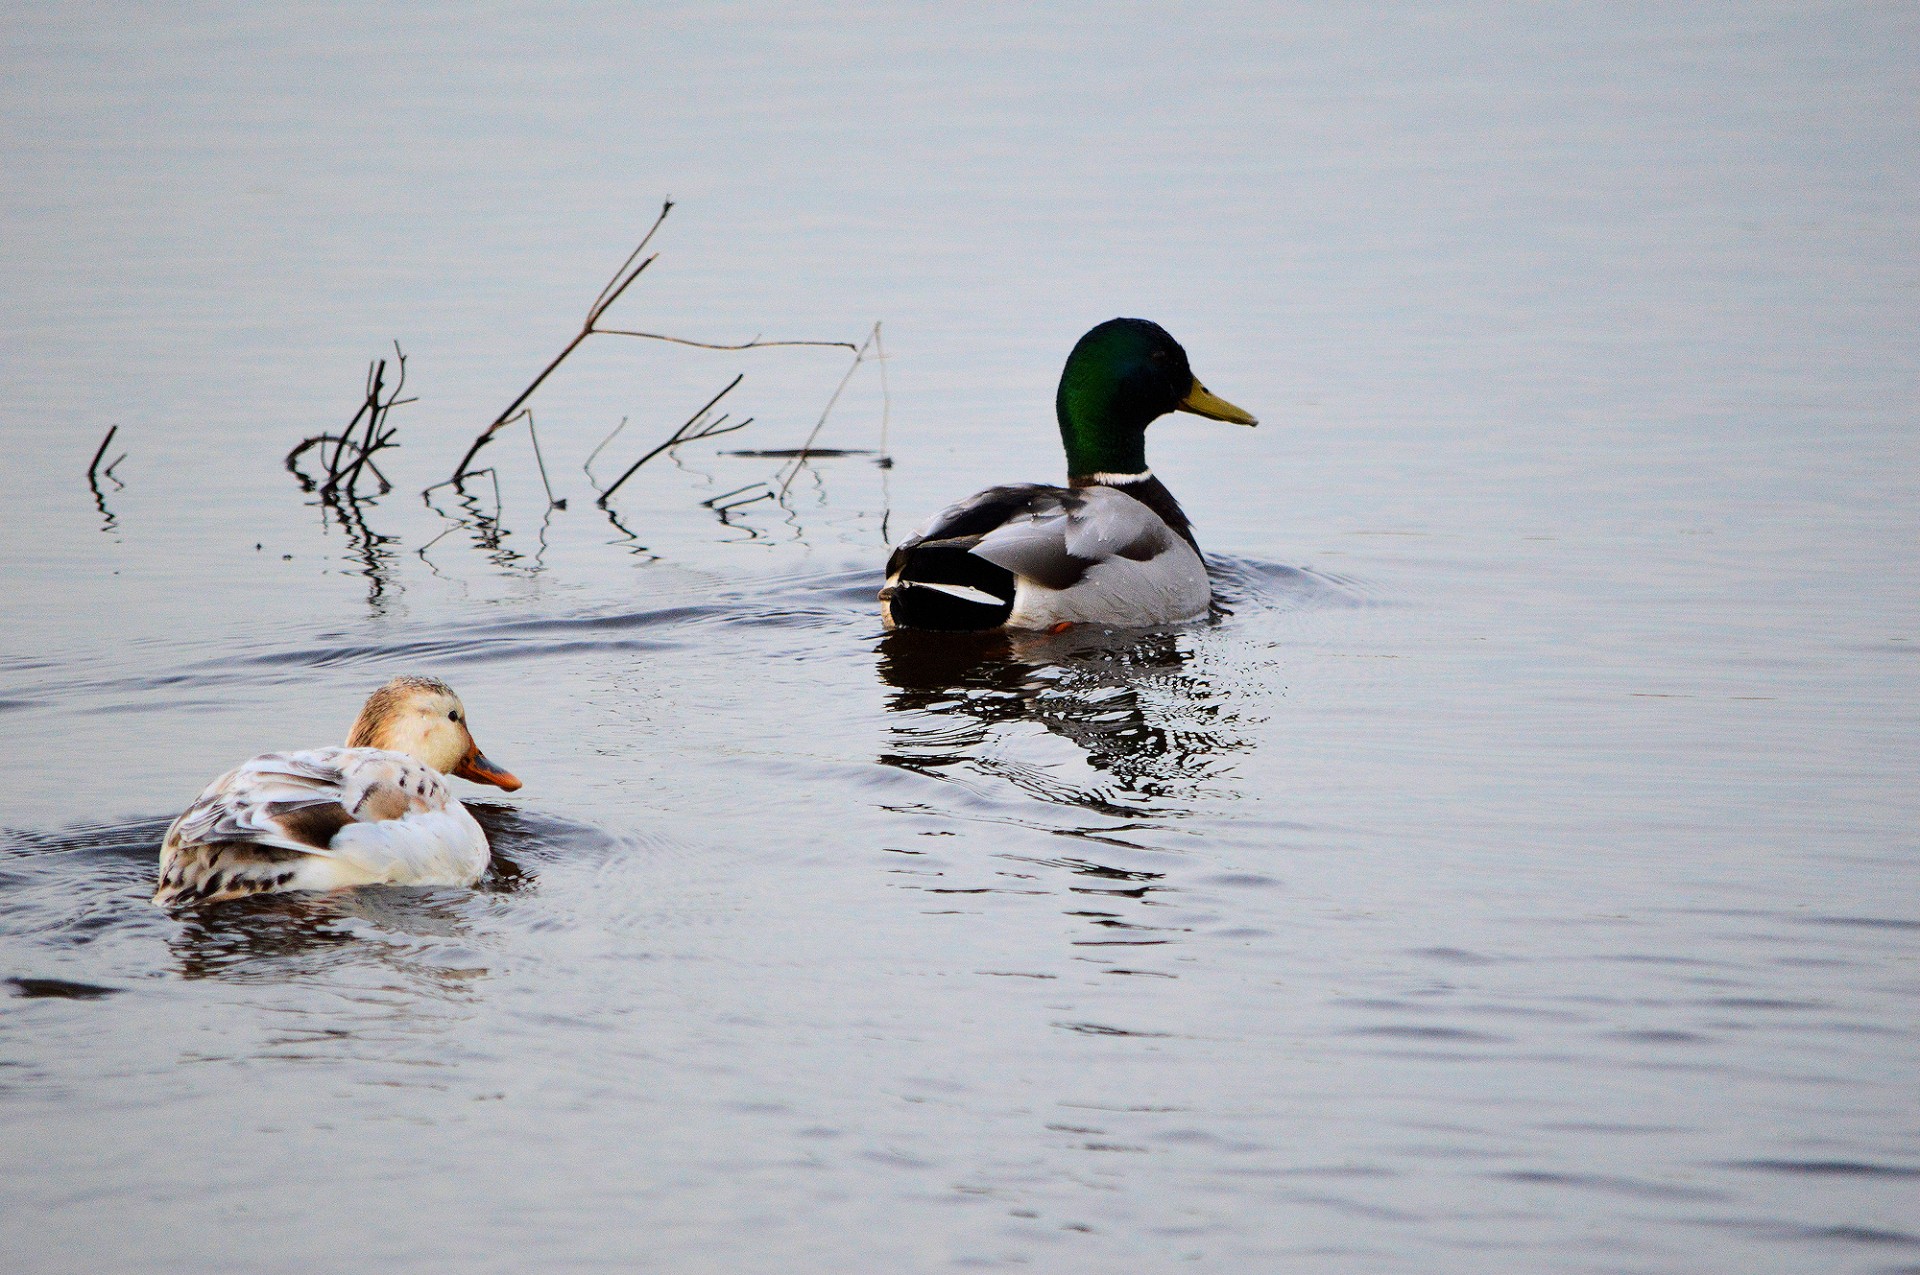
x=1518 y=874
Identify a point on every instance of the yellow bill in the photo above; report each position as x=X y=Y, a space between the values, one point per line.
x=1203 y=402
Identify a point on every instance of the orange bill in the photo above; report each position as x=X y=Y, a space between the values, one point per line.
x=476 y=767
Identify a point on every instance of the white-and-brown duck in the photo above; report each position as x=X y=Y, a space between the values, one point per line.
x=374 y=812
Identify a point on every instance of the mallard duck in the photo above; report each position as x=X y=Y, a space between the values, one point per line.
x=1111 y=548
x=374 y=811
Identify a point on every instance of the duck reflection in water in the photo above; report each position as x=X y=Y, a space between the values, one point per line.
x=1141 y=713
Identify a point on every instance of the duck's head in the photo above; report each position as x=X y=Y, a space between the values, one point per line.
x=423 y=718
x=1120 y=378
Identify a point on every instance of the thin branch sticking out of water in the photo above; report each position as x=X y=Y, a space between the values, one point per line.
x=622 y=280
x=95 y=474
x=755 y=344
x=696 y=427
x=806 y=449
x=353 y=448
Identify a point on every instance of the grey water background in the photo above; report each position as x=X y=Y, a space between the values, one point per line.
x=1520 y=877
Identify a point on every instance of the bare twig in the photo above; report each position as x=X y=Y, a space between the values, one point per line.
x=755 y=344
x=622 y=280
x=711 y=501
x=541 y=461
x=687 y=433
x=723 y=509
x=594 y=454
x=95 y=474
x=886 y=397
x=611 y=293
x=94 y=468
x=800 y=461
x=349 y=454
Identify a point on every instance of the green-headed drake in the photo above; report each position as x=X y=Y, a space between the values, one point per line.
x=1112 y=548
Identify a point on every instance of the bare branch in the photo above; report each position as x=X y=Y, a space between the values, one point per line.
x=799 y=462
x=755 y=344
x=622 y=280
x=348 y=454
x=541 y=461
x=595 y=453
x=714 y=500
x=616 y=285
x=678 y=436
x=94 y=468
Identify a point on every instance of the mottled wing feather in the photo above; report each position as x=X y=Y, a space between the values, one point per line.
x=254 y=802
x=378 y=785
x=300 y=801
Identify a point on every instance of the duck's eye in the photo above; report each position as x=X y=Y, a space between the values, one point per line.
x=453 y=715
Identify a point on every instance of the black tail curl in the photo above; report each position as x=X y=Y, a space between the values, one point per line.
x=941 y=585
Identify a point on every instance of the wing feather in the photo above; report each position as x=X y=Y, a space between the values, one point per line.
x=300 y=801
x=1065 y=532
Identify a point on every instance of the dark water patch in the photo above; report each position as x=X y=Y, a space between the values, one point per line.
x=1609 y=1184
x=60 y=989
x=1143 y=1109
x=109 y=840
x=537 y=836
x=1858 y=1235
x=1862 y=922
x=1358 y=1208
x=1242 y=880
x=1335 y=1171
x=1761 y=1002
x=1658 y=958
x=1608 y=1126
x=1411 y=1031
x=1828 y=1168
x=1104 y=1029
x=1455 y=956
x=1842 y=1233
x=72 y=887
x=1654 y=1036
x=1086 y=867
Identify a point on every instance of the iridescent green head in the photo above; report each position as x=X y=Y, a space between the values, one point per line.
x=1120 y=378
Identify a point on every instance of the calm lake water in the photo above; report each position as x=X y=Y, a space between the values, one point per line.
x=1520 y=875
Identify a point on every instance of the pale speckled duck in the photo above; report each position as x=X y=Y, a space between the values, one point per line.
x=1112 y=548
x=376 y=811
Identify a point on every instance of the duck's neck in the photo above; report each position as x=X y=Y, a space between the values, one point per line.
x=1102 y=427
x=1149 y=491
